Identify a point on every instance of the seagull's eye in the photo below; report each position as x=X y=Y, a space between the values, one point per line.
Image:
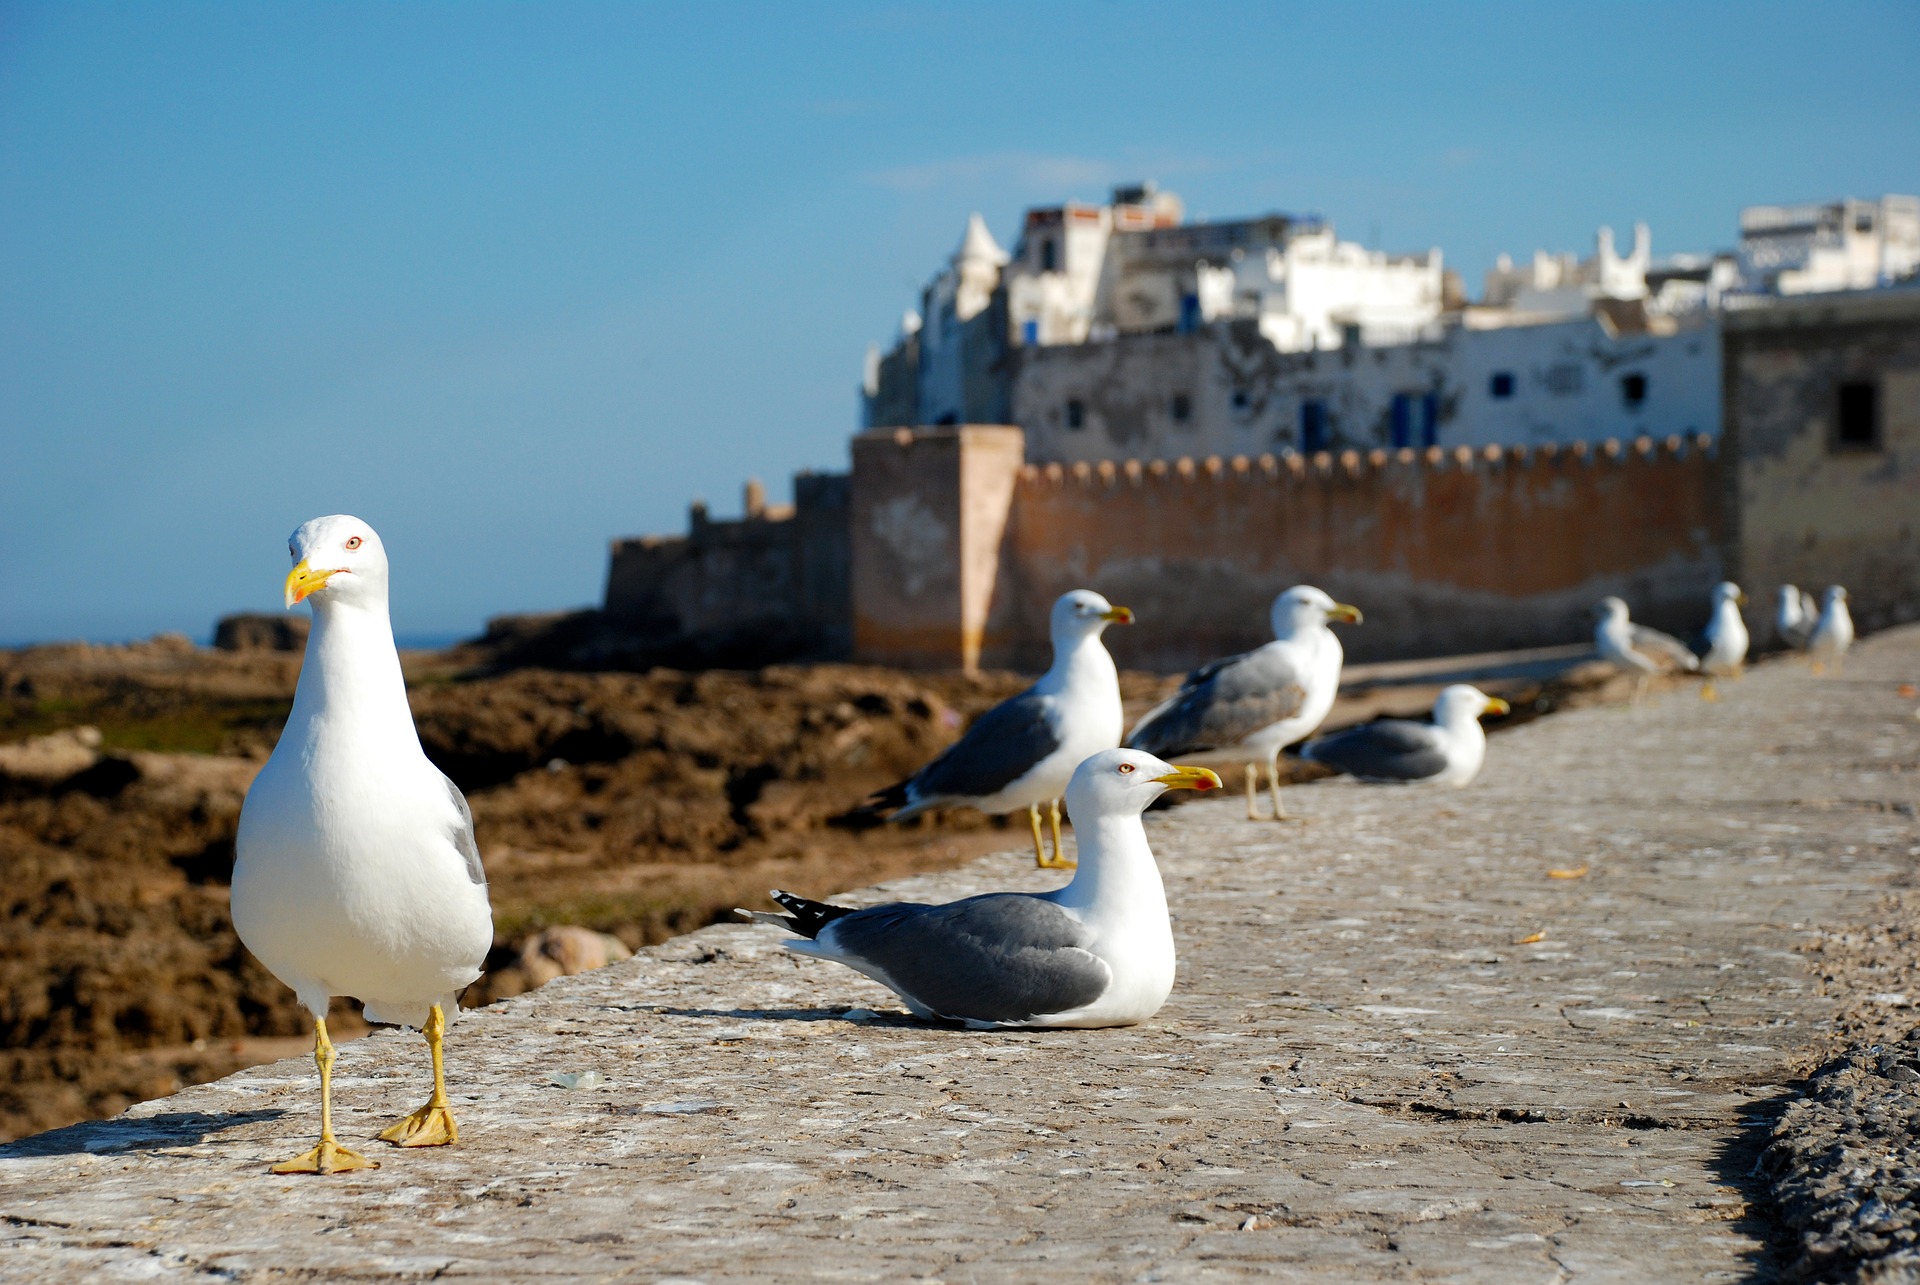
x=353 y=542
x=1126 y=769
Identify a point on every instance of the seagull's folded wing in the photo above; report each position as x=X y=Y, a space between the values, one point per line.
x=1224 y=703
x=1003 y=745
x=1664 y=648
x=1389 y=749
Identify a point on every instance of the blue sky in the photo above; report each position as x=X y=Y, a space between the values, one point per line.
x=508 y=280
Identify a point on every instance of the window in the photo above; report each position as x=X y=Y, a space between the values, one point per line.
x=1030 y=333
x=1858 y=426
x=1430 y=419
x=1313 y=426
x=1863 y=221
x=1501 y=385
x=1049 y=256
x=1240 y=399
x=1076 y=414
x=1402 y=420
x=1189 y=313
x=1180 y=406
x=1633 y=389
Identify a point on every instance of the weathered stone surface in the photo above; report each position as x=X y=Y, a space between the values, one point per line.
x=1370 y=1069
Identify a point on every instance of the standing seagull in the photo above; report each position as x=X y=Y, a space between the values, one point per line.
x=1834 y=633
x=355 y=870
x=1022 y=752
x=1098 y=952
x=1795 y=617
x=1446 y=751
x=1725 y=637
x=1260 y=701
x=1645 y=652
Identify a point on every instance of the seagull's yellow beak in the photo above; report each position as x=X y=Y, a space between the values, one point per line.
x=1118 y=615
x=1345 y=614
x=1497 y=706
x=304 y=580
x=1741 y=597
x=1190 y=778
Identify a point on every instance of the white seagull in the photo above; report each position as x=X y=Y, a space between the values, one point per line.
x=356 y=872
x=1833 y=633
x=1022 y=752
x=1098 y=952
x=1795 y=617
x=1446 y=751
x=1641 y=651
x=1725 y=637
x=1259 y=701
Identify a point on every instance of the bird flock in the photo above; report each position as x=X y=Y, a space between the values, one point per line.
x=357 y=872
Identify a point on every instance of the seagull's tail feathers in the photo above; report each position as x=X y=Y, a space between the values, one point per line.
x=803 y=916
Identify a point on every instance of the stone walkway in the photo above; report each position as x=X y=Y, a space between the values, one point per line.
x=1399 y=1049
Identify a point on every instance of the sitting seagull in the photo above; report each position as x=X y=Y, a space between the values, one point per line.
x=1022 y=752
x=1795 y=617
x=1445 y=751
x=1260 y=701
x=1098 y=952
x=1833 y=633
x=1645 y=652
x=355 y=870
x=1725 y=637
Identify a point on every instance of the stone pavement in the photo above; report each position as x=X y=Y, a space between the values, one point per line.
x=1398 y=1049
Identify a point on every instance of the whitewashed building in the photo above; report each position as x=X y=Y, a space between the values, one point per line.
x=1835 y=245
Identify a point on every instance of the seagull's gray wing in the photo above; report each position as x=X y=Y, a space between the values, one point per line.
x=1663 y=647
x=1003 y=745
x=462 y=835
x=1223 y=703
x=1002 y=957
x=1387 y=749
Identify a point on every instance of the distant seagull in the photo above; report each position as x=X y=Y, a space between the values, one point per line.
x=355 y=870
x=1725 y=637
x=1260 y=701
x=1795 y=617
x=1445 y=751
x=1023 y=751
x=1833 y=634
x=1098 y=952
x=1641 y=651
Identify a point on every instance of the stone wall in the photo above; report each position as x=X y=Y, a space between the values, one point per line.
x=1810 y=508
x=1445 y=551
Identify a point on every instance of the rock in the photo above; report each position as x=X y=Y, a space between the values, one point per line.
x=43 y=762
x=567 y=950
x=261 y=631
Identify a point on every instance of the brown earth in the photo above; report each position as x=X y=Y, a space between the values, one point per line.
x=639 y=805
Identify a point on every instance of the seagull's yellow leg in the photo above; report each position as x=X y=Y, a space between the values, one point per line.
x=329 y=1156
x=1059 y=860
x=432 y=1125
x=1039 y=846
x=1253 y=781
x=1273 y=788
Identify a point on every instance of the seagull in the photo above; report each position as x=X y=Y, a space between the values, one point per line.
x=1795 y=617
x=1725 y=637
x=1261 y=700
x=1098 y=952
x=1645 y=652
x=1446 y=751
x=355 y=870
x=1833 y=634
x=1022 y=752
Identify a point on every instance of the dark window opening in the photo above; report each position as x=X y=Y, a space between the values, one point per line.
x=949 y=418
x=1030 y=333
x=1240 y=399
x=1181 y=407
x=1863 y=222
x=1076 y=414
x=1633 y=389
x=1313 y=427
x=1501 y=385
x=1049 y=257
x=1402 y=420
x=1858 y=427
x=1430 y=419
x=1189 y=313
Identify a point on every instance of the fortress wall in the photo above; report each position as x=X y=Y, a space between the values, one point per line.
x=1445 y=550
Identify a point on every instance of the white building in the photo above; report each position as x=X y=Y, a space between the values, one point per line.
x=1837 y=245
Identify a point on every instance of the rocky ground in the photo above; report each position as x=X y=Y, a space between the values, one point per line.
x=1634 y=1007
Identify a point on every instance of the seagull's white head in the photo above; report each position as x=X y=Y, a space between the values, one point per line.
x=1304 y=607
x=1835 y=593
x=1610 y=610
x=1082 y=613
x=1728 y=591
x=1126 y=782
x=1465 y=703
x=337 y=559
